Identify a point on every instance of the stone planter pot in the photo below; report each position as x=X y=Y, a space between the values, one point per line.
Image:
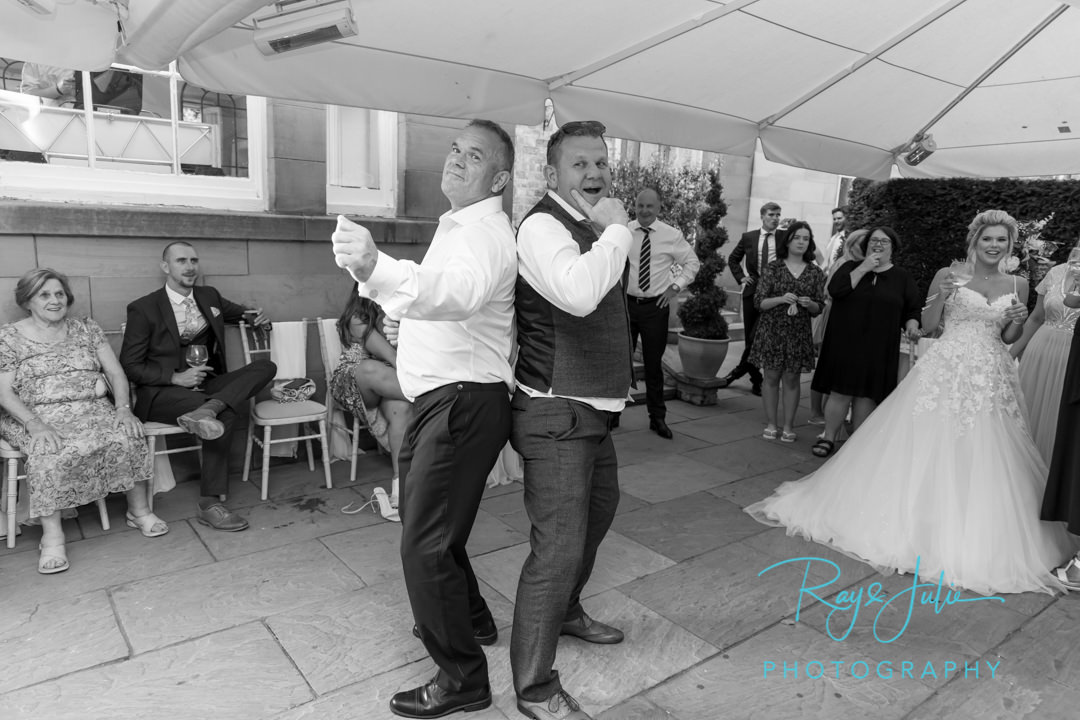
x=701 y=359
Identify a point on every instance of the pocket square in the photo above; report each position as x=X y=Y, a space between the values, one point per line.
x=215 y=311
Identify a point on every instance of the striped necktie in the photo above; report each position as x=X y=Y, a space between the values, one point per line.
x=645 y=262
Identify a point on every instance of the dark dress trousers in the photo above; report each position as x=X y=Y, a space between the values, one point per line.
x=153 y=351
x=748 y=250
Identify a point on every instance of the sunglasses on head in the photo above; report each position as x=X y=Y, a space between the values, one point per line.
x=590 y=127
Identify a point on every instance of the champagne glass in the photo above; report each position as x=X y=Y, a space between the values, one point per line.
x=196 y=355
x=962 y=272
x=1074 y=259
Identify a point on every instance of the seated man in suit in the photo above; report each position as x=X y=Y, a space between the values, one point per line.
x=203 y=399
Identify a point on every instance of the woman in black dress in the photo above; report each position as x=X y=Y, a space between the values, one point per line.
x=872 y=301
x=790 y=293
x=1061 y=500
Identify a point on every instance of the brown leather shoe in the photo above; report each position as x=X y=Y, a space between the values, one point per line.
x=432 y=701
x=220 y=517
x=203 y=424
x=592 y=631
x=559 y=706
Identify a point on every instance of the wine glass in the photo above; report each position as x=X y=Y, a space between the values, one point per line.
x=1074 y=259
x=196 y=355
x=962 y=272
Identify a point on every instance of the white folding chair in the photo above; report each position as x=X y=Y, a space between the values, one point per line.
x=269 y=414
x=330 y=347
x=12 y=457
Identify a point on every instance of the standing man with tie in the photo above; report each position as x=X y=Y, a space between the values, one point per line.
x=204 y=399
x=662 y=263
x=758 y=247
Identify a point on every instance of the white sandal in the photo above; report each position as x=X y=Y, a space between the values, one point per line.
x=388 y=511
x=52 y=552
x=1062 y=574
x=145 y=524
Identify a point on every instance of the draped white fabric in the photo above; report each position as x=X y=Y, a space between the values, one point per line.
x=835 y=85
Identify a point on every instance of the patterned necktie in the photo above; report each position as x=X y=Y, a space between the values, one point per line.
x=190 y=321
x=645 y=262
x=764 y=250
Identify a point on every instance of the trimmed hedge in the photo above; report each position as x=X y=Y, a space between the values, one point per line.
x=931 y=216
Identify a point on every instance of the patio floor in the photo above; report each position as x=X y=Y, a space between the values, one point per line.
x=305 y=614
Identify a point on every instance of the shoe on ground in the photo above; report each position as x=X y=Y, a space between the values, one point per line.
x=658 y=426
x=727 y=380
x=221 y=518
x=146 y=524
x=559 y=706
x=203 y=424
x=486 y=633
x=756 y=389
x=432 y=701
x=386 y=508
x=1071 y=580
x=591 y=630
x=52 y=552
x=818 y=420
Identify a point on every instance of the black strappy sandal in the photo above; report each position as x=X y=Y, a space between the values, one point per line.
x=823 y=448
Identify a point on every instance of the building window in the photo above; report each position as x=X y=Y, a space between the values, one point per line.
x=361 y=162
x=843 y=190
x=142 y=137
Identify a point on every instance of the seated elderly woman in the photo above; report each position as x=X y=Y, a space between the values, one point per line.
x=54 y=372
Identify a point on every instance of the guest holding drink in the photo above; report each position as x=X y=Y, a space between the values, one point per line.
x=872 y=301
x=1043 y=350
x=943 y=480
x=790 y=293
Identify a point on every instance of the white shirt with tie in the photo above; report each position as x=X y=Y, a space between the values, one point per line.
x=762 y=262
x=673 y=261
x=180 y=311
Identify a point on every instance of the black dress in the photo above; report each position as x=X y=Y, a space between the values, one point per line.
x=781 y=341
x=1061 y=501
x=860 y=353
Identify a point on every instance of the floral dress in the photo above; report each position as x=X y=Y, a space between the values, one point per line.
x=343 y=386
x=781 y=341
x=63 y=384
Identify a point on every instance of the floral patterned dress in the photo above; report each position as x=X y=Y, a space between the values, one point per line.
x=943 y=476
x=781 y=341
x=343 y=386
x=63 y=384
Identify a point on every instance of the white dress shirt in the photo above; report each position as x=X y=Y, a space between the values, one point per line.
x=457 y=306
x=550 y=260
x=180 y=310
x=772 y=249
x=673 y=261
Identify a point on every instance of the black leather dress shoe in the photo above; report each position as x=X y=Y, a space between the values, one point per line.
x=756 y=389
x=592 y=631
x=431 y=701
x=485 y=634
x=727 y=380
x=658 y=426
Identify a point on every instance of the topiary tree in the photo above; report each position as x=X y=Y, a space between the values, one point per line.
x=700 y=314
x=682 y=191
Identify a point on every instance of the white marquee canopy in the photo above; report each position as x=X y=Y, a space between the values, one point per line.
x=842 y=86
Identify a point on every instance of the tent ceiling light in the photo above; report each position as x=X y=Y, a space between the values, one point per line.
x=310 y=23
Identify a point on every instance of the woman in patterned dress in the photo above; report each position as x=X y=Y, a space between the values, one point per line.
x=1043 y=350
x=790 y=293
x=365 y=380
x=80 y=447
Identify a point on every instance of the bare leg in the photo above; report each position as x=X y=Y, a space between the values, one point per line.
x=861 y=409
x=792 y=391
x=138 y=506
x=397 y=413
x=52 y=538
x=836 y=408
x=376 y=380
x=770 y=396
x=817 y=404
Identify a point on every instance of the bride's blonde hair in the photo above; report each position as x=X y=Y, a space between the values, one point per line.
x=989 y=218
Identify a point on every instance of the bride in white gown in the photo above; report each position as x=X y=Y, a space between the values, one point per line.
x=944 y=472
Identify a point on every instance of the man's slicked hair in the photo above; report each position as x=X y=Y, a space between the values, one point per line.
x=170 y=246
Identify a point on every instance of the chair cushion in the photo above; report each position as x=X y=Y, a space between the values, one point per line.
x=274 y=410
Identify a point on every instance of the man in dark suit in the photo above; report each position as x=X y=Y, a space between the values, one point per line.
x=750 y=249
x=203 y=399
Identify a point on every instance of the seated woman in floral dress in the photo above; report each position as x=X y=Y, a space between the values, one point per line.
x=365 y=380
x=80 y=447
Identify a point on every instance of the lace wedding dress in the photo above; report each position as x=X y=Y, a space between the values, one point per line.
x=944 y=471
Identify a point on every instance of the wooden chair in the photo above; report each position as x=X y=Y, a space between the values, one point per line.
x=12 y=457
x=330 y=348
x=269 y=414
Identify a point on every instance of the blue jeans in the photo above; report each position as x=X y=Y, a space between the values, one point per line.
x=571 y=493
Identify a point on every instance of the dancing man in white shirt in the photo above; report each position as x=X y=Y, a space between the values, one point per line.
x=456 y=310
x=573 y=375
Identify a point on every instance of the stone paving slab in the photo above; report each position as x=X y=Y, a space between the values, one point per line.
x=82 y=628
x=748 y=457
x=645 y=445
x=240 y=674
x=185 y=605
x=669 y=477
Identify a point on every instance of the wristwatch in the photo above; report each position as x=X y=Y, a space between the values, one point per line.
x=675 y=287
